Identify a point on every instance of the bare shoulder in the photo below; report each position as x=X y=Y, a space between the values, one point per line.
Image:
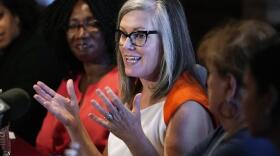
x=190 y=124
x=193 y=114
x=190 y=110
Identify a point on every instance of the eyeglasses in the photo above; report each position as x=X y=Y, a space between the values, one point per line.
x=91 y=25
x=137 y=38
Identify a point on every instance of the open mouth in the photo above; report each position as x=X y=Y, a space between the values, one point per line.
x=132 y=59
x=83 y=46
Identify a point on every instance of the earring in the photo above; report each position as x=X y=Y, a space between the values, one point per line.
x=228 y=108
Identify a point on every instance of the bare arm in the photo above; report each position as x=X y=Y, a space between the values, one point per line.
x=189 y=125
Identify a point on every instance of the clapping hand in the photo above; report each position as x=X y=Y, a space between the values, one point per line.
x=118 y=119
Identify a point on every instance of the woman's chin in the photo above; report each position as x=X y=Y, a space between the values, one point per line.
x=130 y=73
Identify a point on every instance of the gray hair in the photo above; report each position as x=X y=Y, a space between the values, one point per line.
x=170 y=21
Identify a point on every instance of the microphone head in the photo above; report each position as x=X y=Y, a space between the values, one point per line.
x=18 y=100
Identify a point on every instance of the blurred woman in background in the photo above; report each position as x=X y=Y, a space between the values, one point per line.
x=262 y=91
x=82 y=34
x=225 y=51
x=25 y=58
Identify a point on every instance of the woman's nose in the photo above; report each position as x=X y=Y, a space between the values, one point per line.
x=82 y=31
x=128 y=44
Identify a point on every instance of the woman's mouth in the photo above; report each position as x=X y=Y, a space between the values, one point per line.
x=83 y=46
x=132 y=59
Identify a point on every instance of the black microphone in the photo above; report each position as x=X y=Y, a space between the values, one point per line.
x=14 y=103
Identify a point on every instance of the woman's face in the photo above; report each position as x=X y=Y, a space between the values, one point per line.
x=217 y=87
x=254 y=105
x=84 y=35
x=140 y=61
x=9 y=27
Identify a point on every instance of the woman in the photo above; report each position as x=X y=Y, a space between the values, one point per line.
x=23 y=55
x=163 y=107
x=261 y=98
x=225 y=52
x=82 y=32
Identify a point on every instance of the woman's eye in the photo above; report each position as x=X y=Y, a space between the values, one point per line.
x=122 y=36
x=92 y=23
x=2 y=14
x=139 y=35
x=73 y=25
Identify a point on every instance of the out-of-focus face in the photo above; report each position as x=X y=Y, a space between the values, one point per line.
x=9 y=27
x=140 y=61
x=84 y=35
x=254 y=106
x=217 y=86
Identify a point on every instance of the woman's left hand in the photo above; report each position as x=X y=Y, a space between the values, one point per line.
x=118 y=119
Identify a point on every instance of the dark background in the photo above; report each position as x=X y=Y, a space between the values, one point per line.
x=205 y=14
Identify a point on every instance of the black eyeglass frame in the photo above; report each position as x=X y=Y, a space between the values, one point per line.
x=146 y=33
x=85 y=24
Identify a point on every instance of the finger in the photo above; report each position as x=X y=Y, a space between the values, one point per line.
x=98 y=107
x=102 y=122
x=115 y=99
x=71 y=90
x=106 y=100
x=42 y=93
x=40 y=99
x=43 y=102
x=136 y=103
x=47 y=96
x=46 y=88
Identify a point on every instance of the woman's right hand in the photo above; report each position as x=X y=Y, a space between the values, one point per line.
x=67 y=111
x=64 y=109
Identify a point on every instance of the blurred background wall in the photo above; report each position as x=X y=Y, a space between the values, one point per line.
x=205 y=14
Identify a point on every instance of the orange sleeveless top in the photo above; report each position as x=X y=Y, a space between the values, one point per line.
x=186 y=88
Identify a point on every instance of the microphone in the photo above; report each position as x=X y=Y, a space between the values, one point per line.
x=14 y=103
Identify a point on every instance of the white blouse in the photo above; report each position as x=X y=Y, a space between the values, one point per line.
x=154 y=127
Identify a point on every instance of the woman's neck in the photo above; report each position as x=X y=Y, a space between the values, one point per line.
x=96 y=68
x=93 y=73
x=232 y=125
x=147 y=94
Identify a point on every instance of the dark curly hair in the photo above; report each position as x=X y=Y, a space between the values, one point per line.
x=55 y=21
x=27 y=11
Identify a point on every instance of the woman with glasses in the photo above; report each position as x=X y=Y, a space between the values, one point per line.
x=163 y=108
x=82 y=32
